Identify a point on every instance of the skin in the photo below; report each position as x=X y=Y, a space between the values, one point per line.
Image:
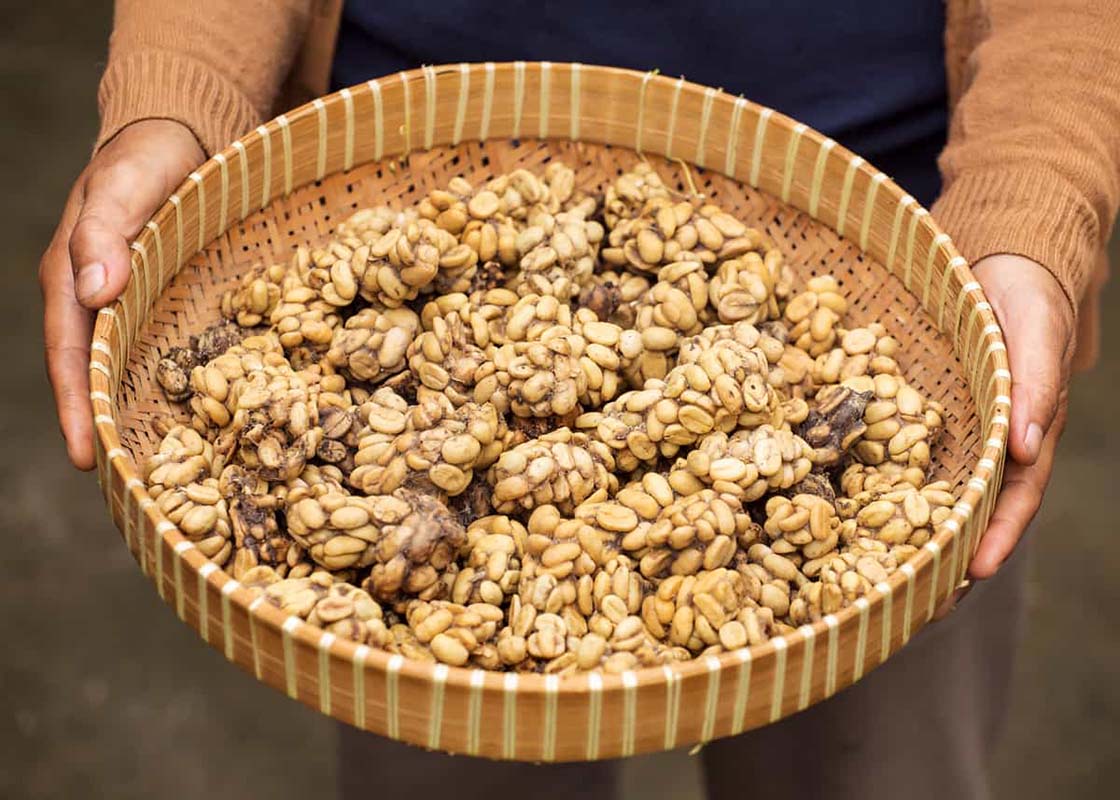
x=87 y=265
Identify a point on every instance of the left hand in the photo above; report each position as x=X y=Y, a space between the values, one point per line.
x=1038 y=326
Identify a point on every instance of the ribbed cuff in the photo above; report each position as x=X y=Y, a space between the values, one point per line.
x=155 y=84
x=1027 y=211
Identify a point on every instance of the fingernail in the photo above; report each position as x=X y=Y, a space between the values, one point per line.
x=91 y=280
x=1033 y=440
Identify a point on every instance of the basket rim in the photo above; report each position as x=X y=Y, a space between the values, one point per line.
x=120 y=461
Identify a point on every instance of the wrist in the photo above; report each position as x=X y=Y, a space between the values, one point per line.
x=170 y=133
x=1005 y=272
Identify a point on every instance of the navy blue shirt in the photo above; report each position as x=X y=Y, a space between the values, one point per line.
x=868 y=73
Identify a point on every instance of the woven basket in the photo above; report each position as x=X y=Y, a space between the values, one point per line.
x=391 y=140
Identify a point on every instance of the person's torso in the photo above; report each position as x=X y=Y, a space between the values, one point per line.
x=869 y=73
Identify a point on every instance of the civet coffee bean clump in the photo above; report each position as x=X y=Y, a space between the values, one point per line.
x=523 y=427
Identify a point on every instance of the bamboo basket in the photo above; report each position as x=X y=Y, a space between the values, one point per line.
x=391 y=140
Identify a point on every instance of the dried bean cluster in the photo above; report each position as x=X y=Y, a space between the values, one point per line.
x=521 y=426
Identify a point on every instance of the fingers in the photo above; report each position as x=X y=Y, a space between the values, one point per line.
x=1038 y=372
x=67 y=327
x=1019 y=501
x=87 y=263
x=1037 y=321
x=118 y=200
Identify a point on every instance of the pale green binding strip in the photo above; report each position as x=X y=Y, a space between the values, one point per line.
x=946 y=276
x=574 y=102
x=509 y=716
x=833 y=625
x=953 y=580
x=392 y=695
x=896 y=230
x=791 y=160
x=733 y=136
x=742 y=691
x=175 y=201
x=157 y=545
x=228 y=588
x=884 y=589
x=908 y=608
x=672 y=706
x=177 y=569
x=138 y=280
x=935 y=550
x=711 y=700
x=629 y=711
x=780 y=645
x=133 y=524
x=487 y=102
x=138 y=247
x=321 y=154
x=407 y=104
x=705 y=119
x=548 y=746
x=378 y=121
x=429 y=106
x=253 y=635
x=818 y=176
x=911 y=237
x=862 y=606
x=474 y=711
x=286 y=142
x=594 y=713
x=103 y=470
x=286 y=630
x=157 y=237
x=846 y=194
x=759 y=139
x=348 y=142
x=266 y=168
x=669 y=134
x=518 y=96
x=810 y=637
x=435 y=723
x=869 y=208
x=204 y=573
x=641 y=124
x=223 y=213
x=141 y=508
x=546 y=92
x=938 y=240
x=325 y=642
x=461 y=106
x=243 y=162
x=360 y=686
x=201 y=193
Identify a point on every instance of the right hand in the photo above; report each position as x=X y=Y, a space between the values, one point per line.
x=86 y=264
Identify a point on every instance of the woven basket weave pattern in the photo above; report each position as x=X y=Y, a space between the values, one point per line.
x=291 y=181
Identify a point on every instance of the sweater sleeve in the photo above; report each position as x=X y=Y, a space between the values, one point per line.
x=1032 y=166
x=215 y=66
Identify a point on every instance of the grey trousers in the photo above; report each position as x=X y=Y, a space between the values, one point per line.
x=923 y=725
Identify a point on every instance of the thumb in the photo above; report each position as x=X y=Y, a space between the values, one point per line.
x=118 y=198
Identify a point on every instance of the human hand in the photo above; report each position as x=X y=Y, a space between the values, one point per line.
x=86 y=264
x=1038 y=326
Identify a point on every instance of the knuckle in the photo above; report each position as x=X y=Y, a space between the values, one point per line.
x=114 y=177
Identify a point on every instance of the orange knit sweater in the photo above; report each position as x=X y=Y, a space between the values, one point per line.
x=1032 y=166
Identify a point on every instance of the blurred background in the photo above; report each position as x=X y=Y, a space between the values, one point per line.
x=104 y=693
